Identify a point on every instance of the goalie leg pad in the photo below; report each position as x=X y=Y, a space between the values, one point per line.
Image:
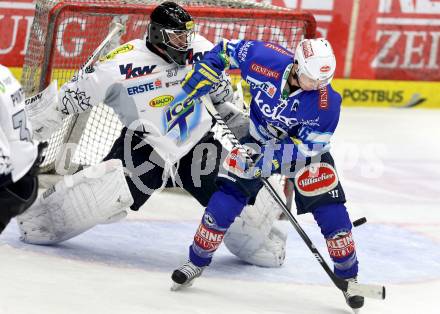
x=254 y=237
x=272 y=252
x=98 y=194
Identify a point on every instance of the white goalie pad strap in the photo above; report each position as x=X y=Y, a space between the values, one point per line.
x=253 y=237
x=98 y=194
x=43 y=113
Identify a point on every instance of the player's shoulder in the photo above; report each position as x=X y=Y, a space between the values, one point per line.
x=273 y=48
x=125 y=50
x=200 y=43
x=323 y=101
x=333 y=94
x=264 y=58
x=3 y=69
x=269 y=51
x=199 y=47
x=8 y=83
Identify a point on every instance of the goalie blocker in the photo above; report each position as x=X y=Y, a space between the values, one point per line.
x=42 y=110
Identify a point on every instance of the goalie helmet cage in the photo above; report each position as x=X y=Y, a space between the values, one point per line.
x=65 y=33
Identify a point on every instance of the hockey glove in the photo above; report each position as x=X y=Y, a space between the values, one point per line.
x=285 y=153
x=199 y=80
x=259 y=164
x=267 y=162
x=239 y=165
x=277 y=154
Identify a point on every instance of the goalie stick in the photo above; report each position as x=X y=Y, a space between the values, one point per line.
x=117 y=28
x=366 y=290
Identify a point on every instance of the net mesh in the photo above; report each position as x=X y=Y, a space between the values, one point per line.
x=65 y=33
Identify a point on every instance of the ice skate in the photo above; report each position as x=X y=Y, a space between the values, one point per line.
x=355 y=302
x=184 y=276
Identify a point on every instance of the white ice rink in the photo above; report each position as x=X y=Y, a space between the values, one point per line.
x=389 y=161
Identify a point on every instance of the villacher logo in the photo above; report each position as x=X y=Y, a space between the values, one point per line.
x=316 y=179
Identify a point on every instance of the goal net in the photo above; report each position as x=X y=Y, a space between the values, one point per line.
x=65 y=33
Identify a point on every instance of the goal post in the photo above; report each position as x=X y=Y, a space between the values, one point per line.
x=65 y=33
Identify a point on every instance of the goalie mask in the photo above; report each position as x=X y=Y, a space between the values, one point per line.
x=315 y=63
x=171 y=29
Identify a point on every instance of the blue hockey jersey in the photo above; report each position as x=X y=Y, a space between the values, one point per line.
x=308 y=118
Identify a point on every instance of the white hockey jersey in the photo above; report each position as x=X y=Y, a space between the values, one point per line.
x=139 y=85
x=17 y=150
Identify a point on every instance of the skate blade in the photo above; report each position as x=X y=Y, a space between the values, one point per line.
x=177 y=286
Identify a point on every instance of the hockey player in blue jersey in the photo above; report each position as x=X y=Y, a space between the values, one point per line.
x=294 y=112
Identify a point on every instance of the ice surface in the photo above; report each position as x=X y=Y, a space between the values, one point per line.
x=389 y=163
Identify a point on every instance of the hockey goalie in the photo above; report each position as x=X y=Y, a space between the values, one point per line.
x=159 y=145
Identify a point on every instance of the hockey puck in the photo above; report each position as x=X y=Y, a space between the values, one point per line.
x=359 y=221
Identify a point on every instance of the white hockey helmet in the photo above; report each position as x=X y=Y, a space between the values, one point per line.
x=316 y=63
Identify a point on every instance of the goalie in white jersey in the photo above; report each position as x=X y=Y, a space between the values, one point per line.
x=139 y=80
x=18 y=153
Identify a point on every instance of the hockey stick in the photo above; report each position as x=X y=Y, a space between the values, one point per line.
x=118 y=27
x=370 y=291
